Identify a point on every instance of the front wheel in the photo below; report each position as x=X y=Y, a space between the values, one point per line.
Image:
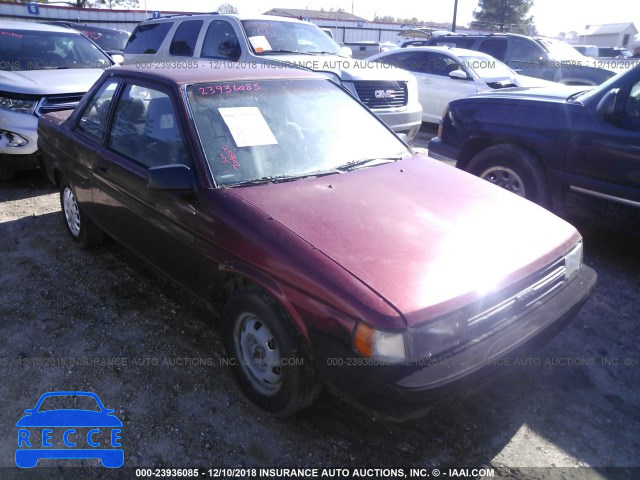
x=512 y=168
x=267 y=353
x=80 y=227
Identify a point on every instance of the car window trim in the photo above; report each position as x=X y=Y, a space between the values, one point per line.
x=107 y=127
x=146 y=83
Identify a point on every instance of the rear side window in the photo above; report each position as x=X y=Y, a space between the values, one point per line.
x=147 y=38
x=496 y=47
x=184 y=40
x=94 y=119
x=525 y=51
x=221 y=42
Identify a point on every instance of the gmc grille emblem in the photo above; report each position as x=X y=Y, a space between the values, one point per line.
x=384 y=93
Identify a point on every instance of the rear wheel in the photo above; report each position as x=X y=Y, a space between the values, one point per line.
x=268 y=354
x=80 y=227
x=512 y=168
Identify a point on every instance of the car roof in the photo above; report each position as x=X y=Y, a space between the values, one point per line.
x=83 y=26
x=226 y=15
x=215 y=71
x=33 y=26
x=458 y=52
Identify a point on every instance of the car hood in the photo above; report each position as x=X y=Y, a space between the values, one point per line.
x=553 y=92
x=49 y=82
x=348 y=69
x=423 y=235
x=69 y=418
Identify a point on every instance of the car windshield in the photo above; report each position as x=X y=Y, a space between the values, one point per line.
x=274 y=130
x=487 y=67
x=269 y=37
x=36 y=50
x=69 y=402
x=109 y=41
x=561 y=50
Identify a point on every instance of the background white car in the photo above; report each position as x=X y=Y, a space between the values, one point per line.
x=445 y=74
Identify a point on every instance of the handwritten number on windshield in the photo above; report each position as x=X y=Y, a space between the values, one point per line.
x=229 y=88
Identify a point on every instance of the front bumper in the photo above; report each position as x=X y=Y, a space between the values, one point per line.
x=406 y=121
x=443 y=152
x=402 y=392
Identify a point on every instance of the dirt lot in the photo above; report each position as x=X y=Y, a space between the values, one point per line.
x=101 y=321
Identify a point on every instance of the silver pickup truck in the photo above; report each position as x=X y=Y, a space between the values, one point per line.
x=272 y=42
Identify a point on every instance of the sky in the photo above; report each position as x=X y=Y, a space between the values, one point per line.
x=550 y=16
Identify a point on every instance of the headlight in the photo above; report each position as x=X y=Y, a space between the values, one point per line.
x=373 y=343
x=434 y=337
x=18 y=105
x=573 y=261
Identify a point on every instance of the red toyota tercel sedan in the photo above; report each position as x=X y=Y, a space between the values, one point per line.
x=338 y=255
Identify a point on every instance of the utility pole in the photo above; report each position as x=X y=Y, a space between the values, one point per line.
x=455 y=14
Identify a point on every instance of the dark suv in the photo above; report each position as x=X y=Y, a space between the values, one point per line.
x=534 y=56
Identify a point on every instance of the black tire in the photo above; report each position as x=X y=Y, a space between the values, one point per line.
x=6 y=174
x=258 y=334
x=513 y=168
x=80 y=227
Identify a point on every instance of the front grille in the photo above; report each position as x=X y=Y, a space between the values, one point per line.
x=55 y=103
x=518 y=299
x=378 y=94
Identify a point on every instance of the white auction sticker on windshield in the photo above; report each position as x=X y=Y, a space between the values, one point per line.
x=247 y=126
x=260 y=43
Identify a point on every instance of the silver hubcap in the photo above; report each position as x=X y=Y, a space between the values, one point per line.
x=506 y=178
x=71 y=211
x=258 y=353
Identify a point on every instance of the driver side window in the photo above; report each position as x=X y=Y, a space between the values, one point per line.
x=145 y=128
x=632 y=107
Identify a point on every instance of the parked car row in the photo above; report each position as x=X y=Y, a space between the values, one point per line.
x=444 y=74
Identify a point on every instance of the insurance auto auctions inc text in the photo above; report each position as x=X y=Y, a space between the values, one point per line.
x=350 y=473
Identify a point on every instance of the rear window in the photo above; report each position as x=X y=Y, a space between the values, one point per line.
x=446 y=41
x=147 y=38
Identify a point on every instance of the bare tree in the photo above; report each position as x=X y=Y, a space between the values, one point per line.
x=227 y=8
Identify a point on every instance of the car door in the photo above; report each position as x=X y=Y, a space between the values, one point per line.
x=441 y=87
x=603 y=166
x=158 y=225
x=526 y=57
x=435 y=88
x=86 y=145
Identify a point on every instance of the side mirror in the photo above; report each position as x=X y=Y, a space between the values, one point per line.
x=610 y=105
x=175 y=177
x=458 y=75
x=119 y=59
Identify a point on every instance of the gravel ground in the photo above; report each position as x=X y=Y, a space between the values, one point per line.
x=102 y=321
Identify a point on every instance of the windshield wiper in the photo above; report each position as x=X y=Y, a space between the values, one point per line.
x=287 y=178
x=296 y=52
x=370 y=162
x=575 y=95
